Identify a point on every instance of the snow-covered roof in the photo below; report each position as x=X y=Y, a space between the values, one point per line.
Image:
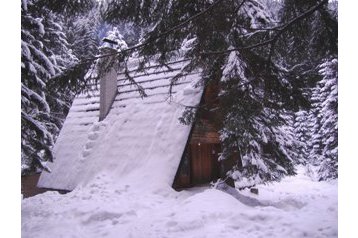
x=140 y=139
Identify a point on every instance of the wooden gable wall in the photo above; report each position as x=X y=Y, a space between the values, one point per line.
x=200 y=163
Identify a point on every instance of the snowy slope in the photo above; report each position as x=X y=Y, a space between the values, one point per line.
x=296 y=207
x=140 y=140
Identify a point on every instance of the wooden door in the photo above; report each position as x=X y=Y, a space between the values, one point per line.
x=204 y=164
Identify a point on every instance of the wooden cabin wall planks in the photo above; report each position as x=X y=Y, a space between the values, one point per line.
x=205 y=132
x=203 y=147
x=204 y=162
x=205 y=129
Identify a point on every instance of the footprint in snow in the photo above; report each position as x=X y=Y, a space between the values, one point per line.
x=289 y=204
x=95 y=127
x=102 y=216
x=93 y=136
x=85 y=153
x=90 y=145
x=171 y=223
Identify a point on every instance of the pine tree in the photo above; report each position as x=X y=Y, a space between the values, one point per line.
x=112 y=42
x=302 y=134
x=315 y=120
x=324 y=151
x=311 y=41
x=117 y=38
x=45 y=100
x=82 y=33
x=329 y=71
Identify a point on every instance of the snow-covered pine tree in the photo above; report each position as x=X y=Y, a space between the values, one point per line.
x=112 y=42
x=324 y=116
x=82 y=20
x=315 y=143
x=329 y=129
x=117 y=38
x=311 y=39
x=82 y=33
x=302 y=133
x=45 y=54
x=310 y=42
x=41 y=108
x=261 y=131
x=67 y=7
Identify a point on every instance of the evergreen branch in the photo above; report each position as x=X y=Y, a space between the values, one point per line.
x=174 y=80
x=292 y=22
x=197 y=106
x=132 y=81
x=240 y=5
x=150 y=40
x=180 y=25
x=280 y=30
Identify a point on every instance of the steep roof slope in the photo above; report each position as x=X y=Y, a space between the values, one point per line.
x=141 y=139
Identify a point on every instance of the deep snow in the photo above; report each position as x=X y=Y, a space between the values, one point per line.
x=294 y=207
x=122 y=169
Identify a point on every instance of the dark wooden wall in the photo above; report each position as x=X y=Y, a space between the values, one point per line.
x=204 y=162
x=205 y=132
x=200 y=160
x=29 y=185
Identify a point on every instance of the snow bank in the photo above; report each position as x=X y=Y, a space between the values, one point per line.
x=295 y=207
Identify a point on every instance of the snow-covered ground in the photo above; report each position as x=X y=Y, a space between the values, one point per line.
x=295 y=207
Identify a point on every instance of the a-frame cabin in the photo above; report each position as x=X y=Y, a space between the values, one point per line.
x=135 y=131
